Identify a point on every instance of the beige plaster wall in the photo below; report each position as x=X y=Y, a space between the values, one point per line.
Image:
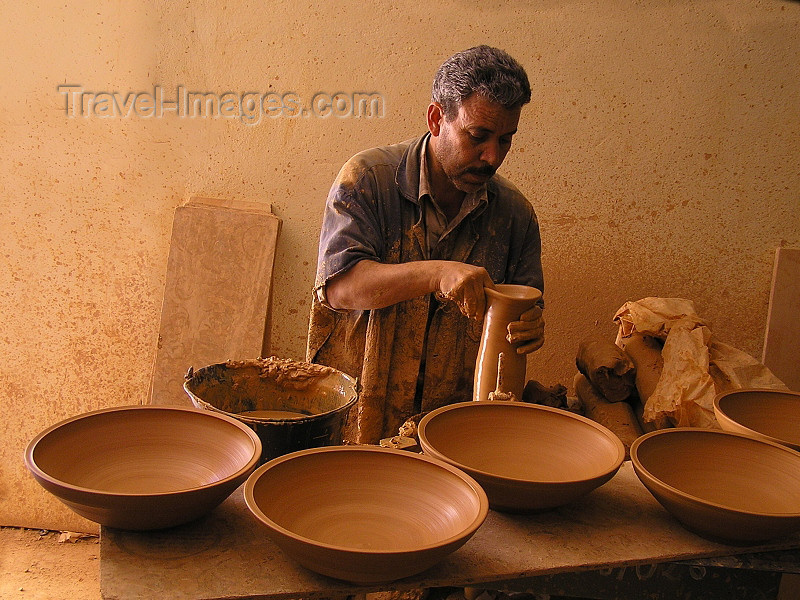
x=660 y=151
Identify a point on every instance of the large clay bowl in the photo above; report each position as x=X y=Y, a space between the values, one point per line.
x=365 y=514
x=771 y=415
x=723 y=486
x=527 y=457
x=143 y=467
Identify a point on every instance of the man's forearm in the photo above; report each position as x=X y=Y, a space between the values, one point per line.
x=369 y=284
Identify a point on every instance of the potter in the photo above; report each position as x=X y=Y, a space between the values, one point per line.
x=413 y=235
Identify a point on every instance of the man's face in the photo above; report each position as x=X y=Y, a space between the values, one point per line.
x=472 y=146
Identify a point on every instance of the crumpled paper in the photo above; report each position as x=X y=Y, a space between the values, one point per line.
x=696 y=367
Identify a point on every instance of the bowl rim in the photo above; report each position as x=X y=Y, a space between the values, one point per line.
x=638 y=466
x=719 y=410
x=38 y=472
x=465 y=534
x=198 y=402
x=620 y=447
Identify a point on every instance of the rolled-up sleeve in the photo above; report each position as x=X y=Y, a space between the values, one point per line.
x=351 y=229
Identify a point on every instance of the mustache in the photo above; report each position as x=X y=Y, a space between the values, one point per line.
x=486 y=171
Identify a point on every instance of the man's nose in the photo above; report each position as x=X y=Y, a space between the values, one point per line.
x=492 y=154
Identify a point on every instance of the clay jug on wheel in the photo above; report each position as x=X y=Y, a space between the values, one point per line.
x=504 y=304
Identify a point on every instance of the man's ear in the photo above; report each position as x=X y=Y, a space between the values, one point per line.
x=435 y=118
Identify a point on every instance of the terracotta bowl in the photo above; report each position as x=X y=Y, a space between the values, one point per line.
x=723 y=486
x=527 y=457
x=771 y=415
x=143 y=467
x=365 y=514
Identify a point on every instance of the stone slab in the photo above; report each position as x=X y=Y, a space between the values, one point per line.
x=782 y=339
x=217 y=292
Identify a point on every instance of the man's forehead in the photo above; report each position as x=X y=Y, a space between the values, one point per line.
x=478 y=112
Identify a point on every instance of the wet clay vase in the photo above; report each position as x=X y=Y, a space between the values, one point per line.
x=505 y=304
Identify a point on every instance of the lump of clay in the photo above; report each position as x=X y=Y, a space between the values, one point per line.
x=608 y=368
x=536 y=393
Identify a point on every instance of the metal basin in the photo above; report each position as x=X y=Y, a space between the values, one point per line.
x=291 y=405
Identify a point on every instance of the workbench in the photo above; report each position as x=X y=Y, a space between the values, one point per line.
x=615 y=529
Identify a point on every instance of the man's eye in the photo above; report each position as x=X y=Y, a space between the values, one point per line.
x=477 y=138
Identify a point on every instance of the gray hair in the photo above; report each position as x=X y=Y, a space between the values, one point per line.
x=483 y=70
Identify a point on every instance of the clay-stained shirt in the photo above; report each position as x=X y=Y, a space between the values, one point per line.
x=374 y=211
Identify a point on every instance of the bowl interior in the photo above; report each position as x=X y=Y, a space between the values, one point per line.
x=369 y=499
x=143 y=450
x=521 y=441
x=272 y=388
x=728 y=470
x=771 y=413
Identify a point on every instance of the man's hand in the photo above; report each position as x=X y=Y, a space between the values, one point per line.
x=464 y=284
x=528 y=332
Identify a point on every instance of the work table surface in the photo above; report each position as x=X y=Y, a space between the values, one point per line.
x=228 y=555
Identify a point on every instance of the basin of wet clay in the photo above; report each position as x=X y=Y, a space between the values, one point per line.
x=526 y=457
x=365 y=514
x=771 y=415
x=723 y=486
x=143 y=467
x=291 y=405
